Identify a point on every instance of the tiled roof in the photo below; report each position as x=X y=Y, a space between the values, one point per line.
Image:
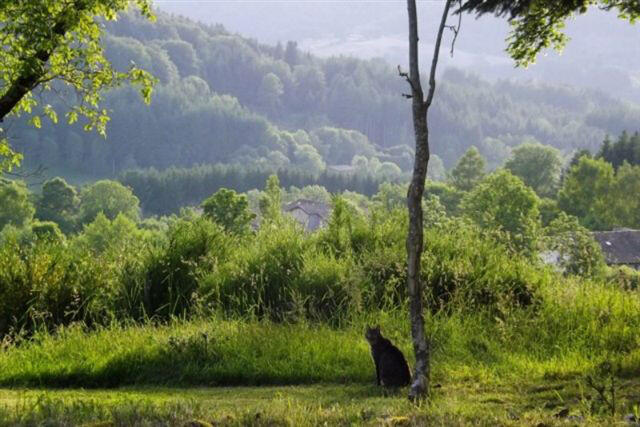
x=310 y=207
x=620 y=246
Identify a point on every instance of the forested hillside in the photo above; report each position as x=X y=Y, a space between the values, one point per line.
x=222 y=98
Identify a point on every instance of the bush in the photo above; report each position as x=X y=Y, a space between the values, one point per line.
x=163 y=281
x=47 y=230
x=47 y=284
x=325 y=288
x=103 y=235
x=113 y=270
x=230 y=210
x=347 y=231
x=578 y=252
x=257 y=278
x=462 y=269
x=623 y=276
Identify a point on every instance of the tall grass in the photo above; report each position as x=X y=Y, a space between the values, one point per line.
x=567 y=334
x=284 y=307
x=279 y=273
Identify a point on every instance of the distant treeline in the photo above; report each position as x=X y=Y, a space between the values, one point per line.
x=165 y=192
x=222 y=98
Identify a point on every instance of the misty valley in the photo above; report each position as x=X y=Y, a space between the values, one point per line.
x=199 y=227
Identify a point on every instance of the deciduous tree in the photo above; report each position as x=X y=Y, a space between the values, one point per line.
x=58 y=202
x=15 y=206
x=538 y=166
x=587 y=193
x=469 y=170
x=537 y=24
x=111 y=198
x=49 y=42
x=420 y=108
x=230 y=210
x=502 y=202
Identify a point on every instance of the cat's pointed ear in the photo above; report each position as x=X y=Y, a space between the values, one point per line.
x=376 y=328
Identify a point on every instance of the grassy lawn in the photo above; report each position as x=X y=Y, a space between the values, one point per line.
x=453 y=404
x=225 y=372
x=531 y=369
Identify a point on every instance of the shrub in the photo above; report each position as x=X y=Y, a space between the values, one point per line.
x=230 y=210
x=257 y=278
x=47 y=284
x=578 y=252
x=347 y=231
x=462 y=269
x=625 y=277
x=104 y=234
x=325 y=288
x=47 y=230
x=163 y=281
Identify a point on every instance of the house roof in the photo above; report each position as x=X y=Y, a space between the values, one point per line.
x=619 y=246
x=309 y=207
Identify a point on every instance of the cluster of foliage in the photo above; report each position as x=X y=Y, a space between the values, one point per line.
x=57 y=45
x=601 y=191
x=540 y=168
x=481 y=253
x=600 y=196
x=223 y=98
x=536 y=26
x=625 y=149
x=60 y=204
x=166 y=192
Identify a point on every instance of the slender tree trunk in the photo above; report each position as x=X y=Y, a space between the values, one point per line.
x=421 y=345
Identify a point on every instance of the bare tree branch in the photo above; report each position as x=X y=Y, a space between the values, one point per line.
x=436 y=53
x=456 y=30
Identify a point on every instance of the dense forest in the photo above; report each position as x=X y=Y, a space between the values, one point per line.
x=222 y=98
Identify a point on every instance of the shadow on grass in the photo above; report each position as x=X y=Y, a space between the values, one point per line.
x=184 y=368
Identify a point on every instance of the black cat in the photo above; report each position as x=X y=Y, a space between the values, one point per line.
x=391 y=366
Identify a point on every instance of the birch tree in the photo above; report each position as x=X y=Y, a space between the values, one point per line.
x=536 y=25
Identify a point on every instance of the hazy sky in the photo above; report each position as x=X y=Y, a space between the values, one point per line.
x=604 y=52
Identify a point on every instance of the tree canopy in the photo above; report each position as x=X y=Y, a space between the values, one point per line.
x=230 y=210
x=538 y=166
x=16 y=208
x=502 y=202
x=109 y=198
x=469 y=170
x=58 y=202
x=53 y=42
x=539 y=24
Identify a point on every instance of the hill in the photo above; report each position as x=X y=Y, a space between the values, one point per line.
x=223 y=98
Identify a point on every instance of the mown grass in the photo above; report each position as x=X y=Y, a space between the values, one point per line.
x=469 y=403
